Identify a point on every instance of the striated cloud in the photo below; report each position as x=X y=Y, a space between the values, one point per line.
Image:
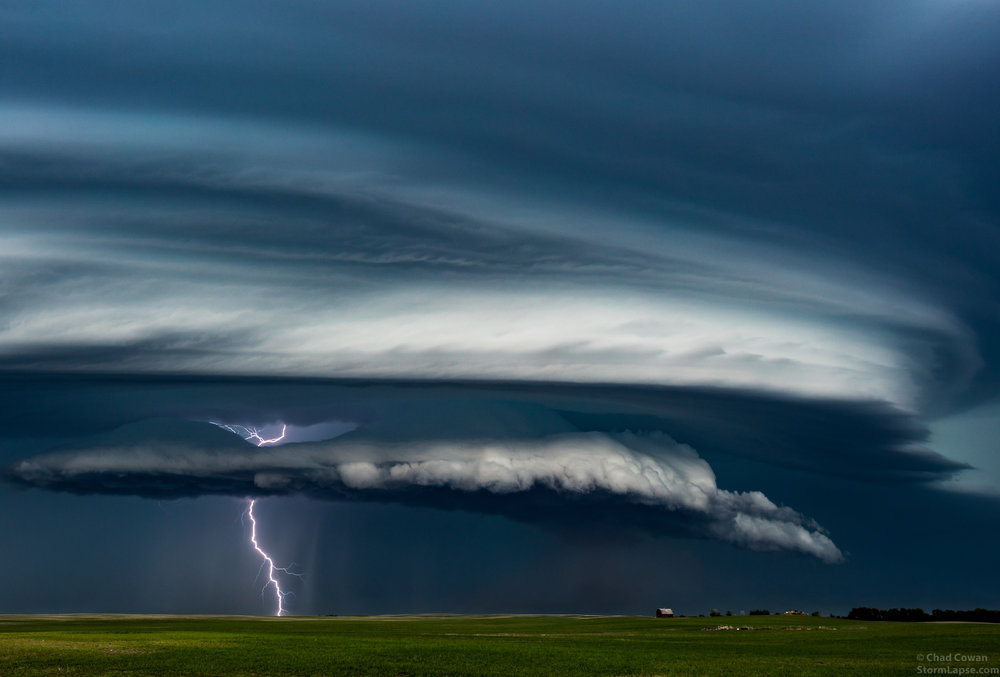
x=668 y=482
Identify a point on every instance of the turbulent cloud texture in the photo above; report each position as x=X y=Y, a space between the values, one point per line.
x=312 y=253
x=510 y=252
x=575 y=207
x=652 y=471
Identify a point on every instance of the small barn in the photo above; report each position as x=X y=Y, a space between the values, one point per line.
x=664 y=613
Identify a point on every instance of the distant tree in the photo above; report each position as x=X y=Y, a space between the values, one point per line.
x=976 y=615
x=864 y=613
x=816 y=614
x=909 y=615
x=728 y=612
x=760 y=612
x=714 y=612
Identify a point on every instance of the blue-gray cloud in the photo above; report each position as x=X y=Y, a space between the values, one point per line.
x=812 y=183
x=769 y=232
x=565 y=456
x=670 y=481
x=269 y=270
x=865 y=441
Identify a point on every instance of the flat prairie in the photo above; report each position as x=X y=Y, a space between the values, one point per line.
x=443 y=644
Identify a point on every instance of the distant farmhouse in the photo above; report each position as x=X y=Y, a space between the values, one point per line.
x=793 y=612
x=664 y=613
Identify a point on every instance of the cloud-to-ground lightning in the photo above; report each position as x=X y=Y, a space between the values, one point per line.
x=271 y=566
x=254 y=435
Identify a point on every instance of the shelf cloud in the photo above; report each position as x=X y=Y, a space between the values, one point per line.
x=652 y=471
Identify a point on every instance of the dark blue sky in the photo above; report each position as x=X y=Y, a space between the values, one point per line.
x=567 y=306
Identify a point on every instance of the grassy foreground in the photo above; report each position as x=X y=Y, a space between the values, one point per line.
x=488 y=645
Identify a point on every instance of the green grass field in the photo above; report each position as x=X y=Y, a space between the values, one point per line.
x=487 y=645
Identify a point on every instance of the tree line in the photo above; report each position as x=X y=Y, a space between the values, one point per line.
x=865 y=613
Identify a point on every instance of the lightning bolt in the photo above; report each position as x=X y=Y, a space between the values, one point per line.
x=254 y=435
x=271 y=567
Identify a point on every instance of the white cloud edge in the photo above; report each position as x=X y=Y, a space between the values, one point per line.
x=651 y=470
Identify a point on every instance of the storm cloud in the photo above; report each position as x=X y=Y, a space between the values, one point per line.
x=652 y=471
x=584 y=209
x=562 y=456
x=566 y=263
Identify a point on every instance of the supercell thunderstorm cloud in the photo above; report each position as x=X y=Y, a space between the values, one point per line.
x=651 y=471
x=521 y=307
